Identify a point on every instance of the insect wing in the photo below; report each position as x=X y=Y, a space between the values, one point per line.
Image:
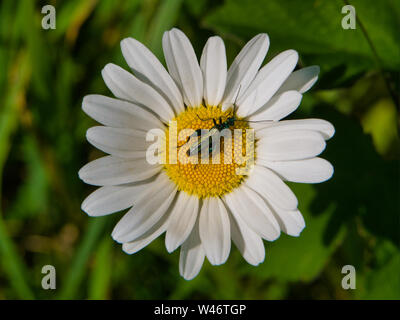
x=202 y=142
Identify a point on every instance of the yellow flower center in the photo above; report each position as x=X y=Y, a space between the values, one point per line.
x=222 y=172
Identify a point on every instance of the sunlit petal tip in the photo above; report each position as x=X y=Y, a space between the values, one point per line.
x=301 y=80
x=330 y=130
x=125 y=248
x=192 y=255
x=278 y=107
x=215 y=231
x=314 y=170
x=292 y=222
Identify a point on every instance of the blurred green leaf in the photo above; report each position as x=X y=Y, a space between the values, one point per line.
x=364 y=184
x=78 y=269
x=13 y=265
x=100 y=276
x=380 y=122
x=32 y=196
x=10 y=259
x=37 y=47
x=197 y=7
x=165 y=18
x=313 y=27
x=383 y=281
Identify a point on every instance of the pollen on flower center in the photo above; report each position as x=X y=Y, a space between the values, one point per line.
x=208 y=179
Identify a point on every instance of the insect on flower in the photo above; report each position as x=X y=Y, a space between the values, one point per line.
x=209 y=139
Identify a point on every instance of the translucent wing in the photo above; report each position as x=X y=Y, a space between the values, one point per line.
x=202 y=142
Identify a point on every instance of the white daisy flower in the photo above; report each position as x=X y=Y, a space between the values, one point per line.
x=202 y=207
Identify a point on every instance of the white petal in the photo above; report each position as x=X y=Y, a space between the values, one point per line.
x=120 y=142
x=271 y=187
x=120 y=114
x=213 y=65
x=154 y=232
x=290 y=221
x=244 y=68
x=301 y=80
x=215 y=230
x=278 y=107
x=106 y=200
x=313 y=170
x=322 y=126
x=183 y=66
x=148 y=69
x=109 y=170
x=267 y=82
x=126 y=86
x=246 y=205
x=183 y=218
x=290 y=145
x=192 y=255
x=247 y=241
x=147 y=210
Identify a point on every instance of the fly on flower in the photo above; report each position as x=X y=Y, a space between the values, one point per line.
x=201 y=208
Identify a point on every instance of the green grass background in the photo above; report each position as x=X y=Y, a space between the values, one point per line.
x=351 y=219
